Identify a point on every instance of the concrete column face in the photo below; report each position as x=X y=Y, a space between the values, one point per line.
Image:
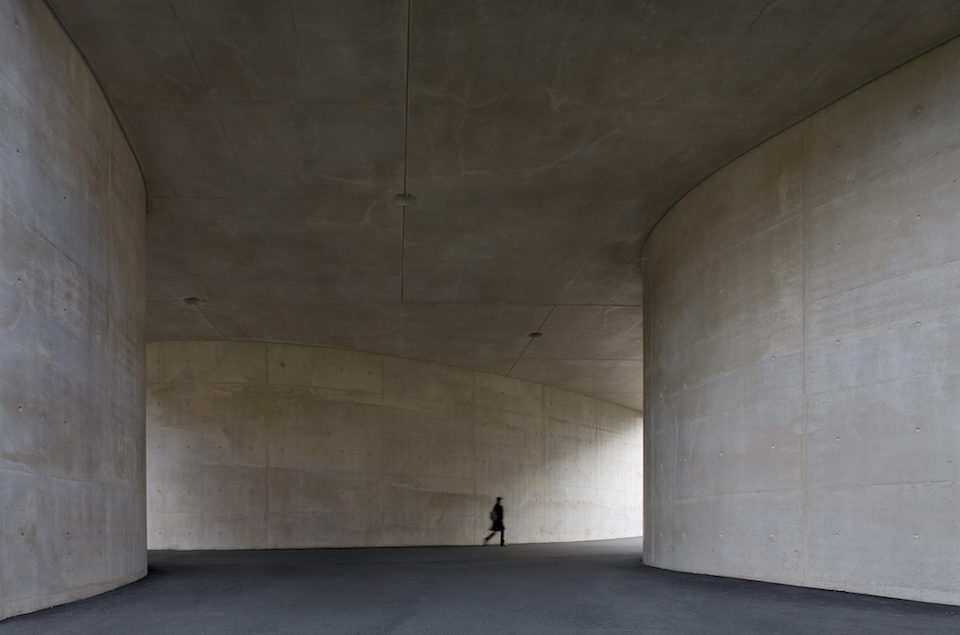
x=253 y=446
x=802 y=378
x=72 y=521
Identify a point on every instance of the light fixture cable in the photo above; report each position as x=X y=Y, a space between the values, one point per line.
x=405 y=196
x=406 y=96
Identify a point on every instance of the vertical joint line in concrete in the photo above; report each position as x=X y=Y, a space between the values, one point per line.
x=382 y=460
x=530 y=340
x=542 y=476
x=803 y=354
x=267 y=412
x=473 y=438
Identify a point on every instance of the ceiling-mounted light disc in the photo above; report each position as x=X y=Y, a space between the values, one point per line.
x=405 y=199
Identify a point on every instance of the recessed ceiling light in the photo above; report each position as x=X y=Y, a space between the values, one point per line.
x=405 y=199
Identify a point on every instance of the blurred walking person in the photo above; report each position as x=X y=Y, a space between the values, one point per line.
x=496 y=515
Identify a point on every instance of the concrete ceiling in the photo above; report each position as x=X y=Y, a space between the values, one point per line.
x=544 y=139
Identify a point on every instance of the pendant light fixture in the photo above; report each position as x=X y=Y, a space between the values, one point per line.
x=405 y=199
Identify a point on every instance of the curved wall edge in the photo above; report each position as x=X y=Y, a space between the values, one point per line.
x=257 y=445
x=802 y=352
x=72 y=500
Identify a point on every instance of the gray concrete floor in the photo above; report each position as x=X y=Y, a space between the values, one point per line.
x=590 y=587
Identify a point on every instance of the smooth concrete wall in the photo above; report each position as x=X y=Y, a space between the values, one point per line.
x=254 y=445
x=802 y=380
x=72 y=520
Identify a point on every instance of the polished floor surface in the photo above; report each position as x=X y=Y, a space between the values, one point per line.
x=589 y=587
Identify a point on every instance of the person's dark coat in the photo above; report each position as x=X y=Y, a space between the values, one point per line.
x=497 y=518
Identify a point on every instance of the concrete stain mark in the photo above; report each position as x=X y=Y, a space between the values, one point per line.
x=618 y=64
x=224 y=135
x=760 y=14
x=239 y=436
x=296 y=33
x=556 y=101
x=625 y=208
x=10 y=311
x=582 y=150
x=249 y=75
x=186 y=40
x=831 y=61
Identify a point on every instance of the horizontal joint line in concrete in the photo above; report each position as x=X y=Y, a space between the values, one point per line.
x=881 y=382
x=759 y=316
x=586 y=359
x=750 y=492
x=870 y=182
x=839 y=488
x=898 y=276
x=119 y=486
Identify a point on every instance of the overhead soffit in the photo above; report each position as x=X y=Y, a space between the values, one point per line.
x=543 y=141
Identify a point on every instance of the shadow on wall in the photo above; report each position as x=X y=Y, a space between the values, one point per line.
x=253 y=445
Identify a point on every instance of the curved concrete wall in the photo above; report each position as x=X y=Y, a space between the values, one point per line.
x=253 y=445
x=802 y=385
x=72 y=520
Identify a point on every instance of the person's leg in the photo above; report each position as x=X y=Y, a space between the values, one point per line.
x=485 y=540
x=502 y=543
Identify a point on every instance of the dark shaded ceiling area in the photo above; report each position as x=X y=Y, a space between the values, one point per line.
x=543 y=141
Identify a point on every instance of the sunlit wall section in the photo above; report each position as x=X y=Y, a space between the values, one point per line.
x=802 y=351
x=254 y=445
